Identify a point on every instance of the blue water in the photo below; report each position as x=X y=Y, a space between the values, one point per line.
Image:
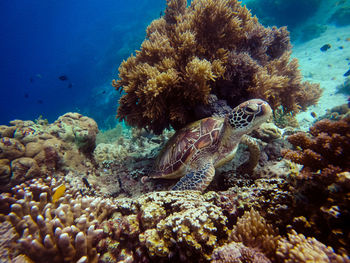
x=84 y=40
x=87 y=40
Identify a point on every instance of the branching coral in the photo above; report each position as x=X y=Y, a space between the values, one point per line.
x=323 y=184
x=49 y=231
x=253 y=231
x=298 y=249
x=209 y=47
x=327 y=147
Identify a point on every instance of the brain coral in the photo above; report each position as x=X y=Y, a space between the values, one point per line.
x=209 y=47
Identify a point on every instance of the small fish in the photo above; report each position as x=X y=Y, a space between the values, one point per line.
x=58 y=193
x=348 y=102
x=70 y=85
x=325 y=47
x=40 y=101
x=347 y=73
x=313 y=114
x=26 y=95
x=63 y=78
x=104 y=92
x=86 y=182
x=31 y=80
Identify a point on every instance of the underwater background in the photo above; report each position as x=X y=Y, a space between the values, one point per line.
x=87 y=40
x=170 y=179
x=84 y=40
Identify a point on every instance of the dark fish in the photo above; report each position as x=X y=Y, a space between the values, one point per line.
x=31 y=80
x=347 y=73
x=313 y=114
x=63 y=78
x=325 y=47
x=348 y=102
x=70 y=85
x=40 y=101
x=86 y=182
x=104 y=92
x=26 y=95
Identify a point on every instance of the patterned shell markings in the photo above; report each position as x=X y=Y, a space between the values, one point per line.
x=185 y=145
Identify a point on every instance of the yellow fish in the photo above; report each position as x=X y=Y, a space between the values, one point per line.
x=58 y=193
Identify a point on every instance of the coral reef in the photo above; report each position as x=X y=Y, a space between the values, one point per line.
x=327 y=147
x=155 y=227
x=210 y=47
x=253 y=231
x=298 y=249
x=322 y=186
x=29 y=149
x=61 y=231
x=236 y=252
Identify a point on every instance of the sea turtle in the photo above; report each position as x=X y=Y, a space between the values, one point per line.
x=194 y=152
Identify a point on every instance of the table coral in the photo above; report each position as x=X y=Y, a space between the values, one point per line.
x=208 y=47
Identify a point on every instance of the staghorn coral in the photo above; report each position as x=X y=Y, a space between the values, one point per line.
x=29 y=149
x=209 y=47
x=61 y=231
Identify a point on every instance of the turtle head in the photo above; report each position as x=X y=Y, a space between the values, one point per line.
x=249 y=115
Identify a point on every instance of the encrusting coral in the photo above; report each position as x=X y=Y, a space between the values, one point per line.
x=29 y=149
x=210 y=47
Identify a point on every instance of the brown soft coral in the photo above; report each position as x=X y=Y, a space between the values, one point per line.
x=209 y=47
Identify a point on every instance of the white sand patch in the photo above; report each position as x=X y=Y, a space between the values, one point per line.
x=326 y=68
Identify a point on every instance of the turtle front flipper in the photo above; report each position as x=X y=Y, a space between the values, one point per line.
x=254 y=155
x=198 y=179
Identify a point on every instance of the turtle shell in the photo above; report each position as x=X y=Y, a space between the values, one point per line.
x=186 y=144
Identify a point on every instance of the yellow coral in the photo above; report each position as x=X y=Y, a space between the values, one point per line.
x=253 y=231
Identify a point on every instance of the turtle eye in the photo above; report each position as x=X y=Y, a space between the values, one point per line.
x=250 y=109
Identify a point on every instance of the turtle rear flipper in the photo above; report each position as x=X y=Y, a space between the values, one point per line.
x=198 y=179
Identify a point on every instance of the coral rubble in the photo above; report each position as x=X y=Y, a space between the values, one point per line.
x=209 y=47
